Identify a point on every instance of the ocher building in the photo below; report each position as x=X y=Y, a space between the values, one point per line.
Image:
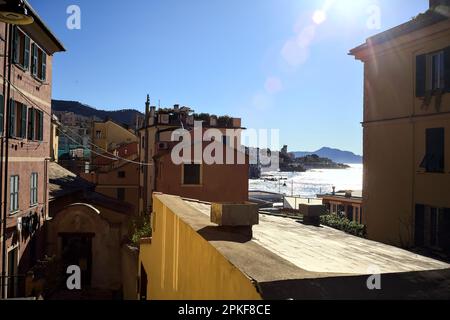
x=407 y=131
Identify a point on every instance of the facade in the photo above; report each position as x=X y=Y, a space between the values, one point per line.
x=347 y=203
x=117 y=179
x=79 y=129
x=189 y=257
x=28 y=150
x=407 y=131
x=89 y=230
x=158 y=172
x=109 y=135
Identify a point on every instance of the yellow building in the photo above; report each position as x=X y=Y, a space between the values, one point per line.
x=109 y=135
x=407 y=131
x=189 y=257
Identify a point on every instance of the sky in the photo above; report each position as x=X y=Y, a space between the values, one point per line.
x=277 y=64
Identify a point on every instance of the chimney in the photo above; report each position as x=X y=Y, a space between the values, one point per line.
x=334 y=190
x=147 y=110
x=235 y=217
x=435 y=3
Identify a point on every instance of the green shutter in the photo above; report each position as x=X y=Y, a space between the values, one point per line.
x=2 y=113
x=44 y=66
x=34 y=59
x=12 y=118
x=23 y=127
x=41 y=126
x=30 y=124
x=16 y=45
x=26 y=53
x=421 y=75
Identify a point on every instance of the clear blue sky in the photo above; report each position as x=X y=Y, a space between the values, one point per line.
x=267 y=61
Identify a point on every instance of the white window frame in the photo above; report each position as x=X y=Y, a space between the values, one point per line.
x=34 y=189
x=14 y=194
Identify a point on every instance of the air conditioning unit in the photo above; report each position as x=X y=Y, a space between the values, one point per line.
x=163 y=146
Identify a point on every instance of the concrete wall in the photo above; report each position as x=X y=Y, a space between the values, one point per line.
x=130 y=259
x=219 y=182
x=108 y=228
x=180 y=264
x=394 y=136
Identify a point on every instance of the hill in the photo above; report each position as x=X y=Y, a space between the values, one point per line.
x=336 y=155
x=125 y=116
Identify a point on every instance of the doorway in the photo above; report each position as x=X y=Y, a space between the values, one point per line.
x=77 y=251
x=12 y=279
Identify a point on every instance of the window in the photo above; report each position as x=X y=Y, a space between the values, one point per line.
x=121 y=194
x=121 y=174
x=34 y=189
x=436 y=71
x=21 y=55
x=433 y=72
x=98 y=134
x=432 y=227
x=434 y=157
x=14 y=194
x=38 y=62
x=31 y=123
x=18 y=119
x=191 y=174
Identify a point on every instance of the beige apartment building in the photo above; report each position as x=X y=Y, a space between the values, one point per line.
x=407 y=131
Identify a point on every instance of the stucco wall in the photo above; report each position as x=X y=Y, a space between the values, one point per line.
x=180 y=264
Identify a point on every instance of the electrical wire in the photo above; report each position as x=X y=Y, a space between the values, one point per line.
x=116 y=158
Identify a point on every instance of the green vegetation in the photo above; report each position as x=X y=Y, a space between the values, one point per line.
x=344 y=224
x=141 y=229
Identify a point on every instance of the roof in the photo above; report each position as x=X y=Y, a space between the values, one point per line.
x=290 y=260
x=343 y=195
x=423 y=20
x=62 y=182
x=57 y=44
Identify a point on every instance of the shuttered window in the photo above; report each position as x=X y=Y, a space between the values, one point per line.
x=433 y=72
x=12 y=118
x=14 y=194
x=31 y=122
x=434 y=160
x=191 y=174
x=34 y=189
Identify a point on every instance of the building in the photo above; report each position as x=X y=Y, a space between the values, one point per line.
x=189 y=257
x=118 y=179
x=108 y=135
x=346 y=203
x=25 y=170
x=200 y=181
x=90 y=230
x=407 y=131
x=76 y=133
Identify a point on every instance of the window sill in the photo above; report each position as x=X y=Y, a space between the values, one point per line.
x=21 y=67
x=41 y=81
x=34 y=206
x=11 y=214
x=192 y=185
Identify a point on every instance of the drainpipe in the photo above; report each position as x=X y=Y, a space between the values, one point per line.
x=6 y=144
x=2 y=200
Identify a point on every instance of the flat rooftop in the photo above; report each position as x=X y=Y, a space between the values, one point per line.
x=288 y=259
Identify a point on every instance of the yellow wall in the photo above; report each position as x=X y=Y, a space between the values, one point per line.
x=112 y=135
x=180 y=264
x=394 y=136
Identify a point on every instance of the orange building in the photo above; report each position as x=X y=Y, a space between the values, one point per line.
x=216 y=182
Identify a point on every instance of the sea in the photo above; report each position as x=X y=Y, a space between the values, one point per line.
x=309 y=184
